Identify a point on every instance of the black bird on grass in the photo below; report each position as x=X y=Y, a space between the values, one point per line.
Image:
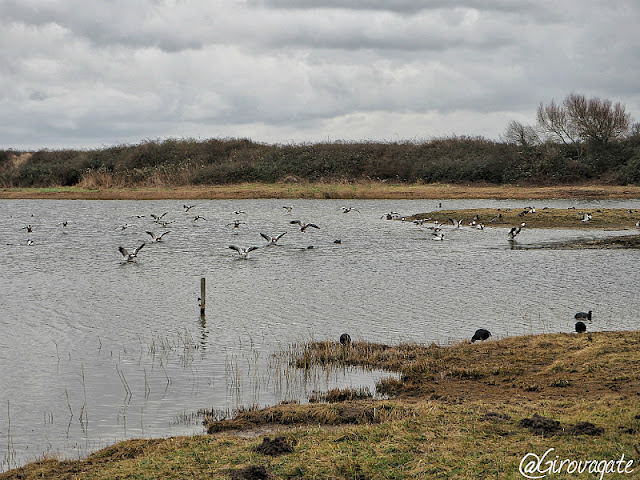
x=481 y=334
x=345 y=339
x=581 y=327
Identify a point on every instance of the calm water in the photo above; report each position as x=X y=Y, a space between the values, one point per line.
x=93 y=350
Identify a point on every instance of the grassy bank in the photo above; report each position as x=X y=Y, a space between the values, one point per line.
x=462 y=411
x=368 y=190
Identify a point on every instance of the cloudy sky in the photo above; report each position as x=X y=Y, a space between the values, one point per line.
x=95 y=73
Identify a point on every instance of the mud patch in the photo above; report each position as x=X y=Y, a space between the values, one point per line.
x=277 y=446
x=585 y=428
x=549 y=427
x=495 y=417
x=541 y=425
x=252 y=472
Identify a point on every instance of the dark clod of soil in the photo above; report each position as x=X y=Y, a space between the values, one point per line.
x=252 y=472
x=495 y=417
x=275 y=447
x=541 y=425
x=585 y=428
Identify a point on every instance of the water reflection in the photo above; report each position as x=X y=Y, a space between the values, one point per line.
x=93 y=352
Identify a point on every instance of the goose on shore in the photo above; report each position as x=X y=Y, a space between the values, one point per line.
x=581 y=327
x=583 y=315
x=345 y=339
x=243 y=252
x=130 y=257
x=272 y=240
x=158 y=238
x=304 y=226
x=481 y=334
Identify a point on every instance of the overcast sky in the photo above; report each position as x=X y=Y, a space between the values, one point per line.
x=93 y=74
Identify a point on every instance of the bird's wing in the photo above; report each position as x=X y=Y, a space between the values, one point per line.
x=296 y=221
x=280 y=236
x=312 y=225
x=152 y=234
x=123 y=251
x=251 y=249
x=233 y=247
x=135 y=252
x=168 y=231
x=265 y=236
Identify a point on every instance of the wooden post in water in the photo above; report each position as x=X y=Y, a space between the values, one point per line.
x=203 y=288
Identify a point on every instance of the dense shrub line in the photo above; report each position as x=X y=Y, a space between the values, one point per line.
x=222 y=161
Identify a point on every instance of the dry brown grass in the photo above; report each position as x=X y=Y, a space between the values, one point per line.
x=107 y=187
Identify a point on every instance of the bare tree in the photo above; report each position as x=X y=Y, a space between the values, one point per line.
x=554 y=120
x=524 y=135
x=582 y=119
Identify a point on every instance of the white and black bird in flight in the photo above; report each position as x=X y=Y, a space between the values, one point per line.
x=130 y=257
x=243 y=252
x=158 y=238
x=288 y=208
x=515 y=231
x=187 y=207
x=236 y=223
x=348 y=209
x=304 y=226
x=272 y=240
x=156 y=218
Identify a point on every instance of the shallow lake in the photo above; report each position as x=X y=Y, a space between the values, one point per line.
x=94 y=350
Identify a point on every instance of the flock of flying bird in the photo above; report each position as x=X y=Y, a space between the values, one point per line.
x=480 y=334
x=130 y=256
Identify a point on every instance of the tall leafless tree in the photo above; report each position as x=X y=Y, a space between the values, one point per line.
x=581 y=119
x=524 y=135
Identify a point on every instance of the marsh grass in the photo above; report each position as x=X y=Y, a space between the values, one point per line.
x=457 y=414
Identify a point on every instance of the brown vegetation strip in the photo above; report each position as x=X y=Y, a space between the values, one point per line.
x=374 y=190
